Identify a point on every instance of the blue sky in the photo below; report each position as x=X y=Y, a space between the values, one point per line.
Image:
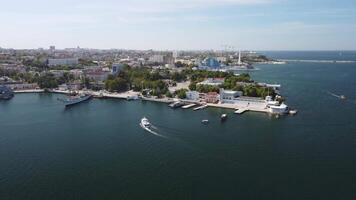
x=179 y=24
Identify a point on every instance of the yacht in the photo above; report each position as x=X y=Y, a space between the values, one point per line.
x=145 y=124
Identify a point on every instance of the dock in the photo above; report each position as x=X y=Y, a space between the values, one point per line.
x=241 y=110
x=188 y=106
x=200 y=107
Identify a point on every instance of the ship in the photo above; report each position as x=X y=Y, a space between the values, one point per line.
x=145 y=124
x=5 y=93
x=73 y=100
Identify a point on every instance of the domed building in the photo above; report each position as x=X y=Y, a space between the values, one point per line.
x=210 y=63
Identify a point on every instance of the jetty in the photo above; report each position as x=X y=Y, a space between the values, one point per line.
x=188 y=106
x=241 y=110
x=200 y=107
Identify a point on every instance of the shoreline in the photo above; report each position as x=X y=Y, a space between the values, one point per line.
x=239 y=108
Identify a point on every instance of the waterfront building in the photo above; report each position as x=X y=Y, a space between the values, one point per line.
x=211 y=97
x=63 y=61
x=229 y=96
x=23 y=86
x=192 y=95
x=212 y=82
x=70 y=86
x=278 y=109
x=97 y=75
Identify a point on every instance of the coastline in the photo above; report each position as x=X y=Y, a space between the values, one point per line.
x=244 y=105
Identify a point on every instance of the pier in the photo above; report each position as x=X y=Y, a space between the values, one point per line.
x=189 y=106
x=200 y=107
x=240 y=111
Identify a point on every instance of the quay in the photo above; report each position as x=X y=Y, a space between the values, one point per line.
x=29 y=91
x=240 y=111
x=163 y=100
x=240 y=105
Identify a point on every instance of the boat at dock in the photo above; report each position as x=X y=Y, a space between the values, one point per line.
x=176 y=104
x=73 y=100
x=6 y=93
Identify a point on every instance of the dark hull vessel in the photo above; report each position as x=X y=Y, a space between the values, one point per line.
x=76 y=100
x=6 y=93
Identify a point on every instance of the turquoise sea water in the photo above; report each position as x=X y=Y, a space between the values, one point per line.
x=97 y=150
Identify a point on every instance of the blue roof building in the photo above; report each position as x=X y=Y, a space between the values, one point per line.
x=211 y=63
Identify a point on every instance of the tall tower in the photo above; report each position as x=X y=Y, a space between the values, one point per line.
x=239 y=62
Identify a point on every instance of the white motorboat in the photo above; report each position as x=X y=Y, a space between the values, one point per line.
x=145 y=124
x=223 y=117
x=205 y=121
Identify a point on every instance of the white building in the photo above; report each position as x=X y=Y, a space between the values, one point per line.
x=156 y=59
x=229 y=96
x=64 y=61
x=192 y=95
x=212 y=81
x=221 y=59
x=280 y=109
x=162 y=59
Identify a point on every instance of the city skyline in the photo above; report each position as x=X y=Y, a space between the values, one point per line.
x=180 y=25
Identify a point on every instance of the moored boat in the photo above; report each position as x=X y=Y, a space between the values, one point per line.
x=6 y=93
x=176 y=104
x=223 y=117
x=73 y=100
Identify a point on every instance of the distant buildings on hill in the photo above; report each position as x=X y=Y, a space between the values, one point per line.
x=63 y=61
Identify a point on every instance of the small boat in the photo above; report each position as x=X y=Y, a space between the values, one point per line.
x=176 y=104
x=342 y=97
x=223 y=117
x=73 y=100
x=293 y=112
x=205 y=121
x=145 y=124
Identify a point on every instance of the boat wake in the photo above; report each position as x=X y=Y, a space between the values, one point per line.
x=319 y=61
x=335 y=95
x=150 y=130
